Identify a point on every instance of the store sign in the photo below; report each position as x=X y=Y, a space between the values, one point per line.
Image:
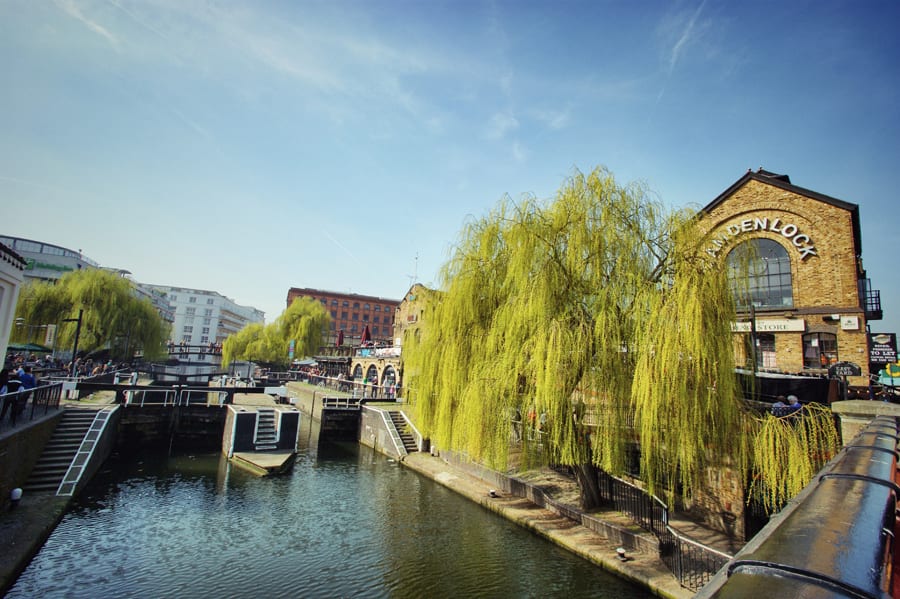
x=789 y=231
x=850 y=323
x=32 y=264
x=844 y=369
x=882 y=348
x=775 y=325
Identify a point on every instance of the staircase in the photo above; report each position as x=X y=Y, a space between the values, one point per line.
x=266 y=437
x=409 y=441
x=60 y=450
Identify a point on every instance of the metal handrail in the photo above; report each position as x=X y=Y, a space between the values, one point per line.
x=43 y=395
x=394 y=433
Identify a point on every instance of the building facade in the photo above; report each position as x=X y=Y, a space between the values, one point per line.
x=803 y=297
x=12 y=274
x=45 y=261
x=351 y=313
x=202 y=317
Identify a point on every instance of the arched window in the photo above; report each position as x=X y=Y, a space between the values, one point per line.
x=819 y=350
x=768 y=270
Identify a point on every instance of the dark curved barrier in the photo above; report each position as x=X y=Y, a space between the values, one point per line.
x=836 y=539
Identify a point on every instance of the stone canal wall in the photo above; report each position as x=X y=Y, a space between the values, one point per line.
x=20 y=450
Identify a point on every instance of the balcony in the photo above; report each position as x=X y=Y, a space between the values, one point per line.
x=872 y=300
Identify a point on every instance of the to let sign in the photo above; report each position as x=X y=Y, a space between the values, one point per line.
x=844 y=369
x=882 y=348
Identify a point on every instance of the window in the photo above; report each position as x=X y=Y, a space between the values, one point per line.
x=374 y=330
x=334 y=302
x=768 y=269
x=377 y=308
x=819 y=350
x=765 y=350
x=334 y=313
x=186 y=338
x=189 y=311
x=207 y=312
x=365 y=306
x=346 y=304
x=365 y=318
x=376 y=319
x=192 y=300
x=205 y=330
x=188 y=329
x=355 y=316
x=210 y=301
x=344 y=315
x=207 y=321
x=204 y=339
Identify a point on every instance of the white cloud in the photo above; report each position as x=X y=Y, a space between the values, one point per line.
x=519 y=152
x=75 y=12
x=688 y=32
x=500 y=125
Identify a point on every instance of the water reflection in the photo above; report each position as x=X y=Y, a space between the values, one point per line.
x=346 y=522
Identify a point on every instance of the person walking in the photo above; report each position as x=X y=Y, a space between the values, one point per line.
x=4 y=388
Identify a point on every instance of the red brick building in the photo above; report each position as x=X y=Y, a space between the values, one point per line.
x=351 y=312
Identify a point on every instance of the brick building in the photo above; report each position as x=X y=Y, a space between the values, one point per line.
x=807 y=287
x=351 y=312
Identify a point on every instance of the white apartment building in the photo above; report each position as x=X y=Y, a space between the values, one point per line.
x=203 y=317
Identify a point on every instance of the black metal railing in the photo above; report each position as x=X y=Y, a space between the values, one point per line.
x=872 y=300
x=648 y=512
x=692 y=563
x=15 y=406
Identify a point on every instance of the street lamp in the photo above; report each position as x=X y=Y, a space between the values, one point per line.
x=77 y=334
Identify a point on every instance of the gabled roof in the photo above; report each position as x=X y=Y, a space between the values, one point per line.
x=784 y=182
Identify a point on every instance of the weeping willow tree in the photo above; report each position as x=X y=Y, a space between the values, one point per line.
x=113 y=317
x=584 y=325
x=302 y=322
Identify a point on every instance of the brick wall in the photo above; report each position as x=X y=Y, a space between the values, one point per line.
x=818 y=237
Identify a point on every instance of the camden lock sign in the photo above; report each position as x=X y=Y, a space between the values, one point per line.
x=789 y=231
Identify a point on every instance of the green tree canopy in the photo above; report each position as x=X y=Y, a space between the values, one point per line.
x=113 y=316
x=302 y=322
x=599 y=313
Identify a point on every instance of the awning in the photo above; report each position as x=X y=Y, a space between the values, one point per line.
x=32 y=347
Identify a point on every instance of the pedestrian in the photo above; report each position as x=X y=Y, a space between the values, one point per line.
x=4 y=388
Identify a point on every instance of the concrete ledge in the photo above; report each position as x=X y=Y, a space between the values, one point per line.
x=855 y=414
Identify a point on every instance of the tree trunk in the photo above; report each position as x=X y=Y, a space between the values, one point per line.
x=586 y=475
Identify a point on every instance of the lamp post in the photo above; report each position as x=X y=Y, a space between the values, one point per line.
x=77 y=334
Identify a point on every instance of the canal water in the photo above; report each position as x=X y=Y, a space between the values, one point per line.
x=346 y=522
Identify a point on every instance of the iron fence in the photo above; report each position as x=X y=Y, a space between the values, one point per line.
x=15 y=406
x=692 y=563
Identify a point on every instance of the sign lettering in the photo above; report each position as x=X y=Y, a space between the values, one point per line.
x=789 y=231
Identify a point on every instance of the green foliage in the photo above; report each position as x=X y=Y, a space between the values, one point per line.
x=303 y=322
x=600 y=296
x=113 y=316
x=788 y=452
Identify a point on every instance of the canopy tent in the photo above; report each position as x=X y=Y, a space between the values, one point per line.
x=30 y=347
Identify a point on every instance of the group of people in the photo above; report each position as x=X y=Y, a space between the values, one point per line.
x=15 y=387
x=185 y=348
x=786 y=405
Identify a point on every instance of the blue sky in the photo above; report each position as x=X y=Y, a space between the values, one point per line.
x=248 y=147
